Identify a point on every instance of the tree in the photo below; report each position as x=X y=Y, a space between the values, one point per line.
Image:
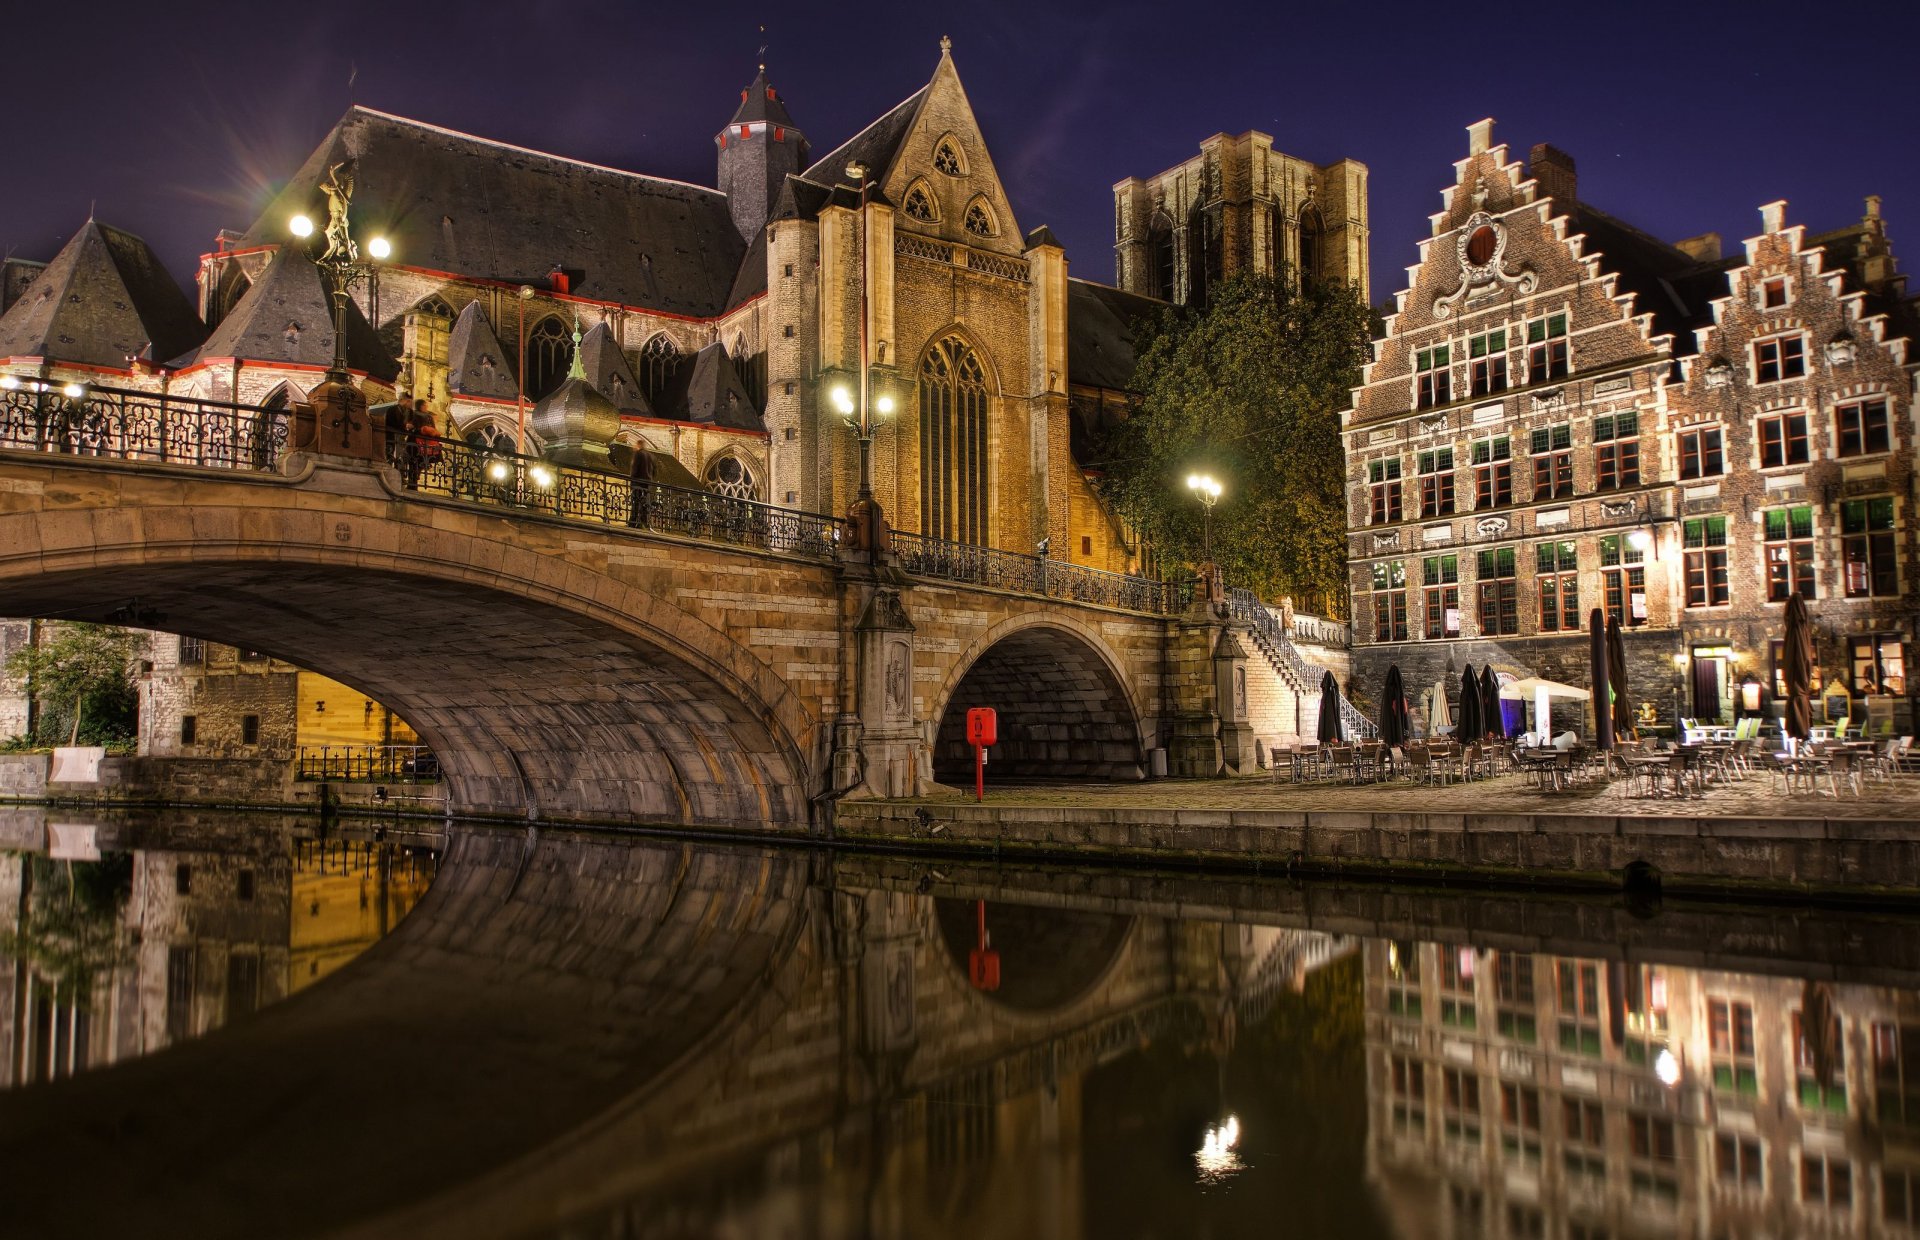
x=83 y=681
x=1250 y=389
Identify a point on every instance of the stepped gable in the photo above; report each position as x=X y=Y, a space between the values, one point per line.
x=476 y=364
x=287 y=317
x=710 y=391
x=103 y=299
x=1674 y=287
x=607 y=369
x=456 y=203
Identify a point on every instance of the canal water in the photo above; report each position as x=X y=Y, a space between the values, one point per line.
x=226 y=1025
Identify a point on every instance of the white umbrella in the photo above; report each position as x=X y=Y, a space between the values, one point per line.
x=1439 y=717
x=1543 y=691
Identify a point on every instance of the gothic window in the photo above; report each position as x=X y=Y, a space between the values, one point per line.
x=953 y=443
x=731 y=477
x=435 y=305
x=1200 y=258
x=430 y=326
x=1160 y=255
x=490 y=437
x=233 y=286
x=919 y=205
x=946 y=157
x=979 y=220
x=752 y=369
x=1311 y=249
x=269 y=432
x=659 y=363
x=548 y=350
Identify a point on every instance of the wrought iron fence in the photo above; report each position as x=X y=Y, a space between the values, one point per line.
x=368 y=764
x=921 y=556
x=1275 y=640
x=503 y=479
x=83 y=420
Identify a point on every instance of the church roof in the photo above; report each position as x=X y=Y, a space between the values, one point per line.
x=287 y=316
x=751 y=281
x=607 y=370
x=1100 y=325
x=874 y=146
x=104 y=298
x=476 y=364
x=710 y=390
x=456 y=203
x=761 y=102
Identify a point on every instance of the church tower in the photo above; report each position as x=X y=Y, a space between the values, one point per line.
x=757 y=150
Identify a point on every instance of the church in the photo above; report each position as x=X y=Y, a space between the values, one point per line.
x=709 y=325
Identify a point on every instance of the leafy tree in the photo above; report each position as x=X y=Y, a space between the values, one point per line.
x=1250 y=389
x=82 y=679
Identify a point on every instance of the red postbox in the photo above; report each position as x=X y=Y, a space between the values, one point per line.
x=983 y=724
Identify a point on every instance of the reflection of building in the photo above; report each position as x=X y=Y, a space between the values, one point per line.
x=1531 y=1095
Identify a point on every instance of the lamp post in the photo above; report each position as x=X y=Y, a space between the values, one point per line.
x=340 y=262
x=1207 y=490
x=523 y=296
x=858 y=406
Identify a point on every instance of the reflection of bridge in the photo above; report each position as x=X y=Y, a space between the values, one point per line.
x=570 y=653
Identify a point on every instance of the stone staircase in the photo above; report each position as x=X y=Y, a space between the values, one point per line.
x=1283 y=689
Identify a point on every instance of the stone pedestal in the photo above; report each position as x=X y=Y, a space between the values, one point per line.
x=1207 y=690
x=333 y=421
x=890 y=743
x=1230 y=698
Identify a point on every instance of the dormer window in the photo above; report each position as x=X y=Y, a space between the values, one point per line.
x=979 y=220
x=946 y=158
x=919 y=205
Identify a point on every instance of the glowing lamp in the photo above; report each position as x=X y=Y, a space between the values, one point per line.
x=379 y=247
x=884 y=404
x=843 y=400
x=1639 y=540
x=497 y=471
x=542 y=476
x=73 y=391
x=301 y=226
x=9 y=382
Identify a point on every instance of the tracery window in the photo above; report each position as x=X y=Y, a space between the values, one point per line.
x=1310 y=245
x=548 y=351
x=979 y=220
x=659 y=363
x=919 y=205
x=731 y=477
x=1160 y=254
x=953 y=443
x=490 y=437
x=946 y=157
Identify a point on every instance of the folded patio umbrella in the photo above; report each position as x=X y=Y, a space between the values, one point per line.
x=1396 y=721
x=1469 y=729
x=1329 y=709
x=1797 y=667
x=1602 y=700
x=1491 y=724
x=1623 y=726
x=1439 y=713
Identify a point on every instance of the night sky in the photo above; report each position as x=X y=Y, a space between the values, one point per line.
x=176 y=120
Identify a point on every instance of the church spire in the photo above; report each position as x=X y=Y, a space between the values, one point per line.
x=759 y=148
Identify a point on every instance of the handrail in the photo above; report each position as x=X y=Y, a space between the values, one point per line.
x=922 y=556
x=367 y=764
x=1274 y=639
x=76 y=419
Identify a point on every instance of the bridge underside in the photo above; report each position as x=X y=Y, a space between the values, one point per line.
x=1063 y=713
x=531 y=708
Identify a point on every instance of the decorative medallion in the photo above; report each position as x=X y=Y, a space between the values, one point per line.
x=1488 y=526
x=1481 y=247
x=1383 y=539
x=1719 y=374
x=1433 y=425
x=1618 y=509
x=1840 y=350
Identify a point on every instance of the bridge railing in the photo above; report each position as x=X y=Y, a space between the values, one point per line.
x=921 y=556
x=1273 y=636
x=367 y=764
x=85 y=420
x=531 y=484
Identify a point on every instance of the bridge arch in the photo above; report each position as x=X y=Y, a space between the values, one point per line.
x=546 y=688
x=1066 y=710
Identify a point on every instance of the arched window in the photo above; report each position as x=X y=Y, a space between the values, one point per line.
x=979 y=219
x=1200 y=254
x=946 y=157
x=436 y=305
x=659 y=363
x=490 y=437
x=752 y=369
x=268 y=437
x=953 y=443
x=919 y=204
x=233 y=286
x=429 y=327
x=731 y=477
x=1311 y=249
x=1160 y=257
x=548 y=351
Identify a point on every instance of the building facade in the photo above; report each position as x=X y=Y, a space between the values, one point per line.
x=1566 y=413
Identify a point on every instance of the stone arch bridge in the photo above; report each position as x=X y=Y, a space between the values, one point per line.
x=573 y=654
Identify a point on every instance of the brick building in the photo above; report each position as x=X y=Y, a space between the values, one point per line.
x=1567 y=413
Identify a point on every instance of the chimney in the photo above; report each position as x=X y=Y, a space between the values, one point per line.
x=1480 y=136
x=1552 y=170
x=1704 y=248
x=1773 y=216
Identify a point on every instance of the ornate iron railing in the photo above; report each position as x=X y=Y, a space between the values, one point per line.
x=84 y=420
x=529 y=484
x=1306 y=677
x=921 y=556
x=368 y=764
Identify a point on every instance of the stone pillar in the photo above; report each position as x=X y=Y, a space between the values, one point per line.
x=333 y=421
x=1207 y=695
x=891 y=745
x=1230 y=696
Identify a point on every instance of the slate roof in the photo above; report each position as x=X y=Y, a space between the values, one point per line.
x=761 y=102
x=104 y=298
x=709 y=390
x=453 y=202
x=1100 y=326
x=874 y=146
x=287 y=317
x=1670 y=284
x=607 y=369
x=751 y=280
x=476 y=363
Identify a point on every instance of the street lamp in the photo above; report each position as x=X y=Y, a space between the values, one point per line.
x=858 y=408
x=1207 y=490
x=340 y=262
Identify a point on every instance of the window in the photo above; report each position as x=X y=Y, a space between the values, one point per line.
x=1737 y=1161
x=1876 y=664
x=1492 y=473
x=731 y=477
x=1390 y=602
x=1547 y=349
x=249 y=729
x=1700 y=453
x=1789 y=552
x=243 y=885
x=192 y=651
x=1782 y=357
x=1866 y=548
x=1383 y=479
x=1460 y=1109
x=1520 y=1122
x=953 y=443
x=1579 y=1007
x=1487 y=354
x=183 y=879
x=1896 y=1074
x=1553 y=462
x=1403 y=980
x=1783 y=439
x=1730 y=1046
x=1773 y=293
x=1310 y=251
x=1623 y=580
x=1705 y=539
x=1645 y=1028
x=919 y=205
x=979 y=219
x=1499 y=594
x=1616 y=451
x=1863 y=428
x=1440 y=576
x=1436 y=378
x=1816 y=1093
x=189 y=730
x=1456 y=986
x=1516 y=1016
x=549 y=350
x=1409 y=1078
x=946 y=158
x=659 y=364
x=1826 y=1181
x=1436 y=482
x=1559 y=584
x=1900 y=1196
x=1161 y=249
x=1653 y=1151
x=1583 y=1138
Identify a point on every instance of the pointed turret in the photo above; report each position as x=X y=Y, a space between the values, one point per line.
x=757 y=150
x=287 y=316
x=607 y=369
x=104 y=298
x=575 y=421
x=476 y=364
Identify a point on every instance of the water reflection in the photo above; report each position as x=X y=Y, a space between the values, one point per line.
x=116 y=942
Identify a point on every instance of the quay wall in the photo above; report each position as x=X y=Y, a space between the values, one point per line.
x=256 y=782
